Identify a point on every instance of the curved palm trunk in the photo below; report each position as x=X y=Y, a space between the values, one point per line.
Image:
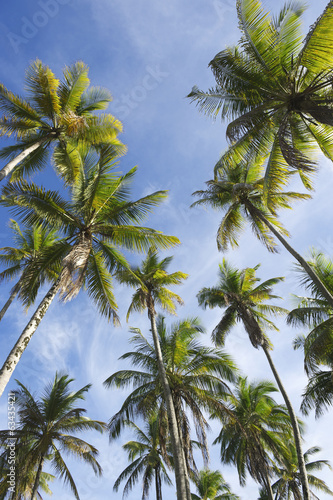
x=13 y=294
x=25 y=337
x=293 y=419
x=9 y=167
x=257 y=338
x=182 y=481
x=36 y=483
x=255 y=212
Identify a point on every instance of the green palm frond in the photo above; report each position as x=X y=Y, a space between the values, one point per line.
x=99 y=286
x=75 y=83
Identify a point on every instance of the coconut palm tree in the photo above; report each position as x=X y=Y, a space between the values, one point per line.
x=211 y=485
x=316 y=313
x=195 y=376
x=254 y=430
x=238 y=191
x=46 y=428
x=244 y=300
x=275 y=86
x=289 y=485
x=55 y=113
x=21 y=488
x=147 y=459
x=98 y=222
x=150 y=281
x=29 y=242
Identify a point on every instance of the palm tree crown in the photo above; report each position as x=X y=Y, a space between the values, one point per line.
x=195 y=373
x=254 y=429
x=29 y=243
x=147 y=459
x=211 y=486
x=276 y=89
x=316 y=313
x=239 y=293
x=47 y=427
x=56 y=112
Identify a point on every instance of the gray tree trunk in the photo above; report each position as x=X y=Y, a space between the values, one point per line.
x=25 y=337
x=181 y=475
x=294 y=423
x=12 y=296
x=307 y=268
x=9 y=167
x=36 y=483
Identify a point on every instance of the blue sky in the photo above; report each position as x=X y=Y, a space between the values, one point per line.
x=149 y=54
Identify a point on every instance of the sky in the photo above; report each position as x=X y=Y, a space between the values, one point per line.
x=149 y=54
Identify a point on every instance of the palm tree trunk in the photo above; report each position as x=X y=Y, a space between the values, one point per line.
x=256 y=213
x=158 y=485
x=76 y=258
x=268 y=487
x=13 y=294
x=25 y=337
x=182 y=481
x=9 y=167
x=36 y=483
x=293 y=419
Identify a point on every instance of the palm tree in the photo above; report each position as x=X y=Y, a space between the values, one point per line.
x=29 y=242
x=195 y=375
x=211 y=486
x=289 y=485
x=254 y=428
x=317 y=313
x=97 y=222
x=244 y=300
x=24 y=483
x=146 y=456
x=238 y=191
x=47 y=426
x=274 y=88
x=56 y=113
x=151 y=280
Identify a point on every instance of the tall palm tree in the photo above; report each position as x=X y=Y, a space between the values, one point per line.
x=316 y=313
x=244 y=300
x=55 y=113
x=195 y=375
x=146 y=456
x=289 y=485
x=29 y=242
x=211 y=485
x=275 y=86
x=254 y=430
x=150 y=281
x=238 y=191
x=47 y=426
x=97 y=223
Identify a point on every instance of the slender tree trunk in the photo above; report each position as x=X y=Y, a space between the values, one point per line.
x=9 y=167
x=307 y=268
x=158 y=484
x=294 y=423
x=77 y=257
x=36 y=483
x=13 y=294
x=182 y=481
x=25 y=337
x=269 y=490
